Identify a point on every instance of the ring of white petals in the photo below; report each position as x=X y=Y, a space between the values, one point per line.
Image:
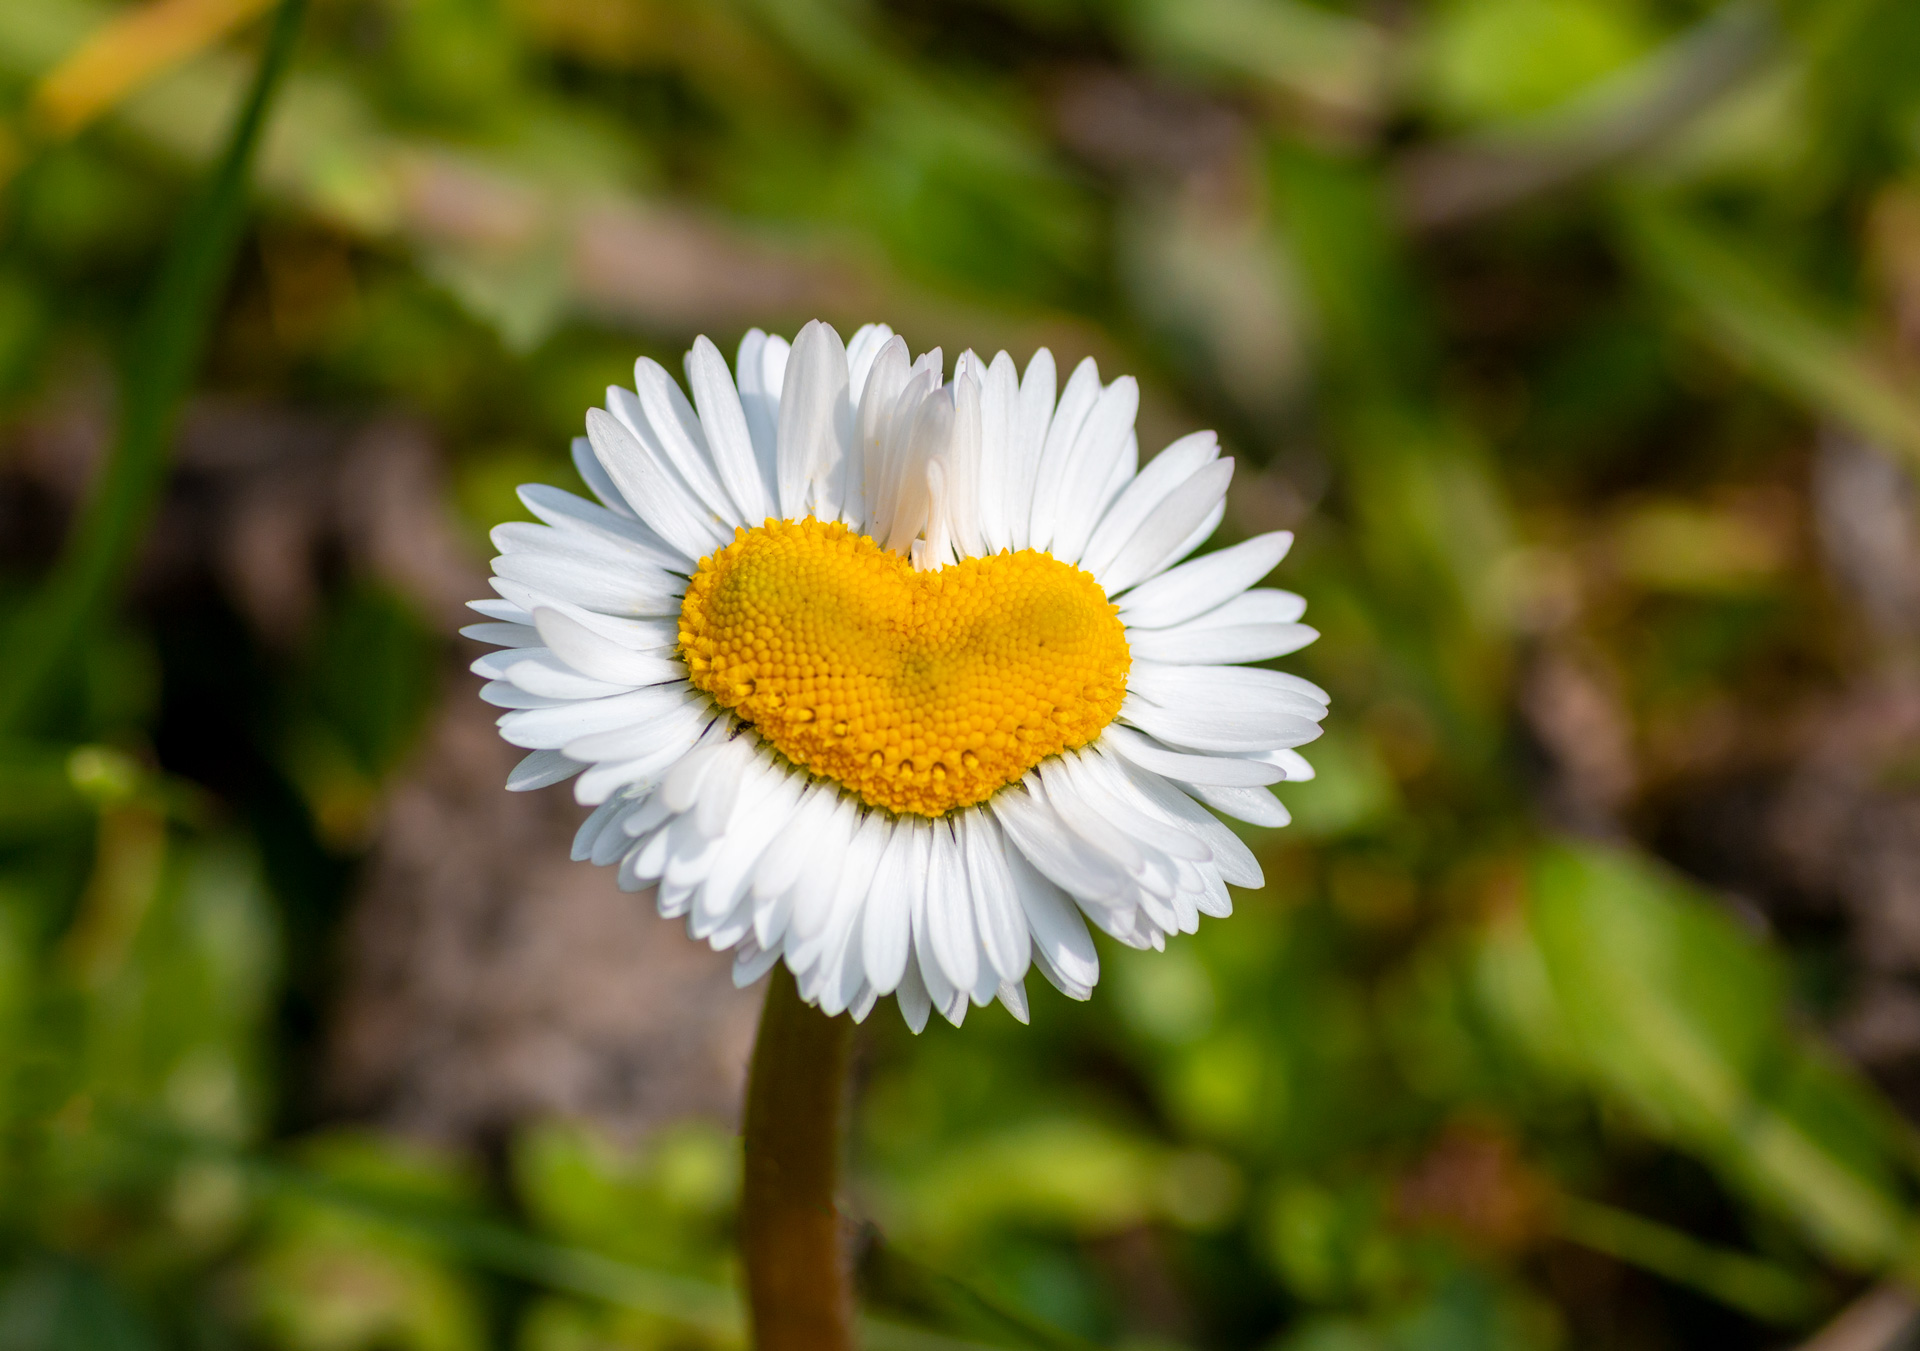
x=760 y=858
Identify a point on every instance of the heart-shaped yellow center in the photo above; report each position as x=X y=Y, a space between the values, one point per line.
x=919 y=691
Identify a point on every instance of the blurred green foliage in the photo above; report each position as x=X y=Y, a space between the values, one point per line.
x=1525 y=313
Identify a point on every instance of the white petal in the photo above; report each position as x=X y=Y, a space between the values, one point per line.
x=643 y=863
x=1218 y=729
x=1251 y=685
x=1216 y=902
x=542 y=769
x=1125 y=466
x=874 y=422
x=601 y=818
x=768 y=798
x=950 y=1001
x=816 y=426
x=523 y=540
x=961 y=508
x=1230 y=853
x=949 y=926
x=1100 y=455
x=770 y=916
x=594 y=585
x=1160 y=476
x=677 y=428
x=774 y=359
x=671 y=901
x=986 y=985
x=690 y=857
x=612 y=778
x=1143 y=751
x=1194 y=588
x=1219 y=714
x=680 y=788
x=816 y=887
x=817 y=890
x=622 y=726
x=867 y=841
x=886 y=924
x=666 y=741
x=564 y=511
x=728 y=438
x=1061 y=944
x=735 y=926
x=999 y=403
x=1201 y=534
x=723 y=787
x=862 y=347
x=997 y=916
x=660 y=422
x=503 y=610
x=1263 y=605
x=640 y=821
x=502 y=695
x=598 y=481
x=1256 y=805
x=658 y=495
x=1050 y=481
x=1101 y=782
x=592 y=655
x=1185 y=645
x=494 y=665
x=1136 y=858
x=1126 y=924
x=1295 y=764
x=760 y=402
x=746 y=970
x=538 y=671
x=913 y=1000
x=1055 y=851
x=919 y=430
x=798 y=847
x=1033 y=417
x=1185 y=509
x=657 y=633
x=541 y=729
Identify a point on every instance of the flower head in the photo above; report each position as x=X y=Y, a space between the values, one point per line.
x=896 y=679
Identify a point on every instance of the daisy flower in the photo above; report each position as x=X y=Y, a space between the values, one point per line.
x=898 y=679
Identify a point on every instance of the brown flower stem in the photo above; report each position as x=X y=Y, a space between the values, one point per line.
x=798 y=1284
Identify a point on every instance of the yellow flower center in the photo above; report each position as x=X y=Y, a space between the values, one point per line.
x=919 y=691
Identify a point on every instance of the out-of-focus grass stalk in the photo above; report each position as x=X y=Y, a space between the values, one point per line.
x=169 y=341
x=706 y=1306
x=1496 y=168
x=128 y=51
x=1753 y=1286
x=702 y=1305
x=1759 y=319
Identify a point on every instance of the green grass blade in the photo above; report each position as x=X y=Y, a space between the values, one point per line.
x=491 y=1245
x=1760 y=320
x=168 y=344
x=1749 y=1284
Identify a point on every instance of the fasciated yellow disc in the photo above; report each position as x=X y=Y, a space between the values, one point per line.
x=919 y=691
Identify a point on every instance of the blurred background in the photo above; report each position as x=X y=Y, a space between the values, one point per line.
x=1579 y=341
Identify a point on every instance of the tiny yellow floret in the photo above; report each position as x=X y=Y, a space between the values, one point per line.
x=919 y=691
